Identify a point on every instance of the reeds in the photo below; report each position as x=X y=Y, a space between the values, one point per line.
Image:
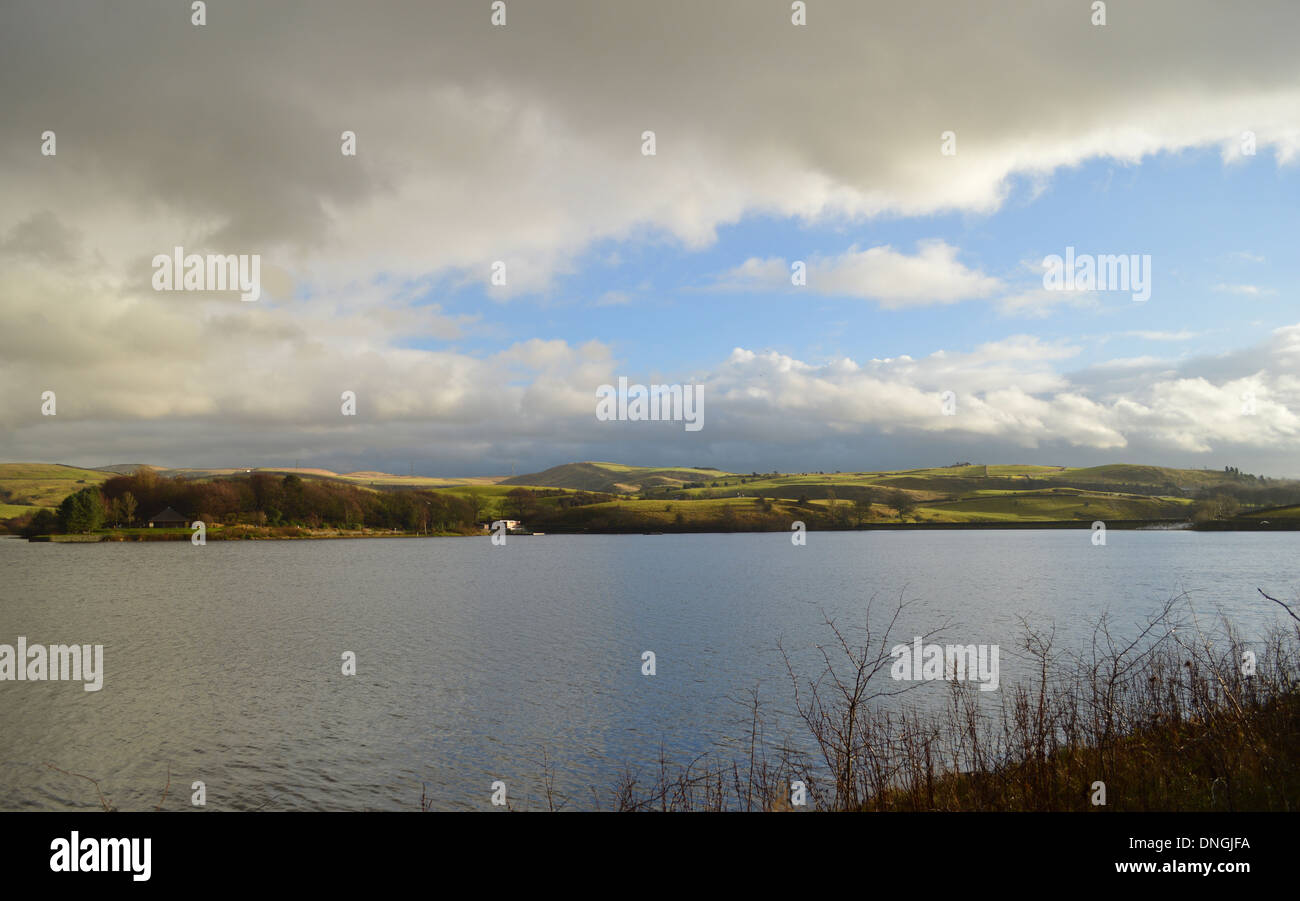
x=1182 y=714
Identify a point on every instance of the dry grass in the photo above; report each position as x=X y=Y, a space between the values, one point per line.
x=1165 y=718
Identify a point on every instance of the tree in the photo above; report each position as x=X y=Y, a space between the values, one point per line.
x=1220 y=506
x=520 y=504
x=126 y=506
x=267 y=490
x=901 y=501
x=292 y=497
x=82 y=512
x=475 y=501
x=43 y=522
x=728 y=518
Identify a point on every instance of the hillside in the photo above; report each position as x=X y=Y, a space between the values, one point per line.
x=28 y=486
x=612 y=477
x=690 y=498
x=962 y=479
x=599 y=496
x=123 y=469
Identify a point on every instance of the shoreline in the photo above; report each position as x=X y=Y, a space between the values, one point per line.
x=305 y=535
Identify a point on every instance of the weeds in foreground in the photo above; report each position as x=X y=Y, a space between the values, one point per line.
x=1175 y=717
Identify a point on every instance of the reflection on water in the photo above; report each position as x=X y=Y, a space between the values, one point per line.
x=224 y=662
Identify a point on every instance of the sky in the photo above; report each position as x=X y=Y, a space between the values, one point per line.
x=920 y=160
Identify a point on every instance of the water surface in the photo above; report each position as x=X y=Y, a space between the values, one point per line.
x=224 y=662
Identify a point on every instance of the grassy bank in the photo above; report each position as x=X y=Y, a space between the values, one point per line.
x=1170 y=718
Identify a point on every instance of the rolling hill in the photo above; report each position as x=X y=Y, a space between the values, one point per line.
x=614 y=478
x=26 y=486
x=594 y=495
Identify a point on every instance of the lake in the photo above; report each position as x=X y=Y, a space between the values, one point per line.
x=473 y=661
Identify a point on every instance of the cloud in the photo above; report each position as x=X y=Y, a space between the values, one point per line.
x=478 y=144
x=522 y=145
x=1131 y=363
x=42 y=237
x=1148 y=335
x=1250 y=290
x=612 y=299
x=1038 y=303
x=1003 y=389
x=1011 y=393
x=933 y=275
x=1008 y=393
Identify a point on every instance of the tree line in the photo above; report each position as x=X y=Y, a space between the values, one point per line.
x=263 y=499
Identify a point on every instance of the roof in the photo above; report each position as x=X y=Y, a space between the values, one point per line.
x=168 y=515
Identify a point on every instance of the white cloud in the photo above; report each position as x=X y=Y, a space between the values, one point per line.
x=1007 y=392
x=613 y=299
x=1250 y=290
x=1038 y=303
x=1145 y=362
x=933 y=275
x=1148 y=335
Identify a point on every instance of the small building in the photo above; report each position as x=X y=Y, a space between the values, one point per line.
x=511 y=525
x=169 y=519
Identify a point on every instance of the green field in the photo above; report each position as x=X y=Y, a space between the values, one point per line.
x=686 y=497
x=963 y=493
x=1274 y=513
x=8 y=511
x=615 y=478
x=1012 y=505
x=29 y=485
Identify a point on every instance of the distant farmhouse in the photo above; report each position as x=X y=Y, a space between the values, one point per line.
x=168 y=519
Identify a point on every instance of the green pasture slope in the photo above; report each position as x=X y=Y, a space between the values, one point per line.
x=25 y=487
x=964 y=493
x=689 y=497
